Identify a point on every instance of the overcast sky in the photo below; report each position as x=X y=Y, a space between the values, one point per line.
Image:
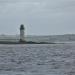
x=40 y=17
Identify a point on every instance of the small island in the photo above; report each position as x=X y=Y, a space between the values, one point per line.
x=22 y=39
x=26 y=42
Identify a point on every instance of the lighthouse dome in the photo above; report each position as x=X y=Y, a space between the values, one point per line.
x=22 y=27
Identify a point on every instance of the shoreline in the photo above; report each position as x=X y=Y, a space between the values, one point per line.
x=24 y=42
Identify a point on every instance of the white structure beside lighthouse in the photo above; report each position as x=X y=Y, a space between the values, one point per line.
x=22 y=33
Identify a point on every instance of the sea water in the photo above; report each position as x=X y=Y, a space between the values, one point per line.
x=37 y=59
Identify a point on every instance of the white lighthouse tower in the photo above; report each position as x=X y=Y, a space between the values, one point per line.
x=22 y=37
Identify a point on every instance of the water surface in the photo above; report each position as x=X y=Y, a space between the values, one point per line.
x=46 y=59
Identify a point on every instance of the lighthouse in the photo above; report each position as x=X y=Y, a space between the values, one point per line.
x=22 y=33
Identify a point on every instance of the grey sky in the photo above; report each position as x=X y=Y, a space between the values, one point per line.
x=40 y=17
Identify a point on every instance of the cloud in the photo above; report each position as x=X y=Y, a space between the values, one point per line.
x=38 y=13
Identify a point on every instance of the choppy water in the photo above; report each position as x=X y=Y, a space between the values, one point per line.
x=56 y=59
